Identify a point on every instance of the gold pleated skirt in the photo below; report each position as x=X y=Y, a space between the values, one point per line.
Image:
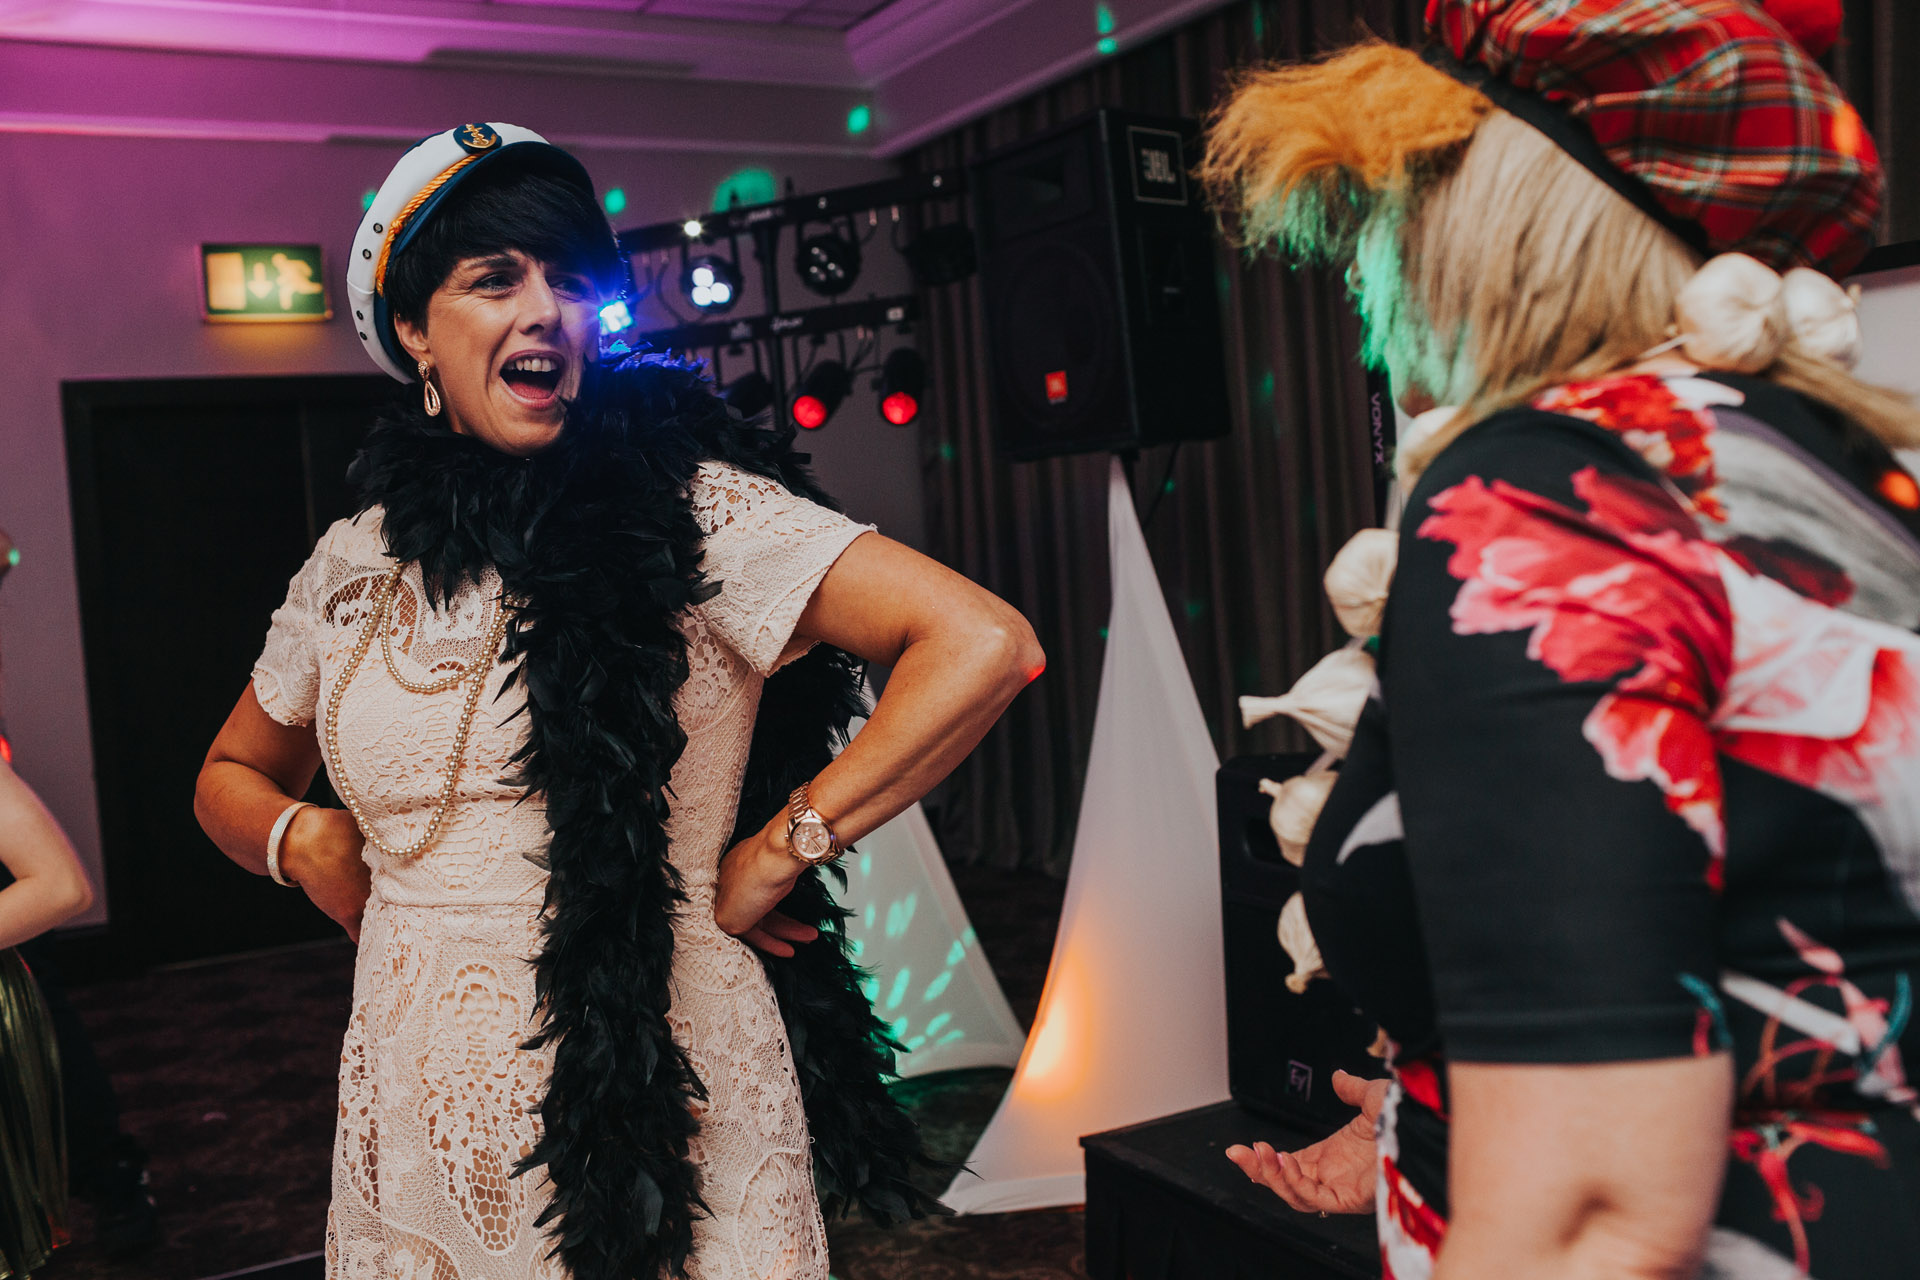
x=33 y=1143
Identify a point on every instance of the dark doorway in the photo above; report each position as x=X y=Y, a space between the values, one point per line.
x=194 y=502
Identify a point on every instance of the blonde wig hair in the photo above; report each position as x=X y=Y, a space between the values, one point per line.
x=1487 y=263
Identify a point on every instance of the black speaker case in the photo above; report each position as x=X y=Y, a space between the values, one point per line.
x=1282 y=1048
x=1150 y=268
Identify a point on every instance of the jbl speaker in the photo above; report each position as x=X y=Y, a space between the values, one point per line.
x=1282 y=1047
x=1102 y=306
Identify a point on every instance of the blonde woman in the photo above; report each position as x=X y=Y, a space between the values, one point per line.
x=1626 y=854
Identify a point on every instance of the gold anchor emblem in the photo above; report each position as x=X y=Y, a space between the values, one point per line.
x=478 y=137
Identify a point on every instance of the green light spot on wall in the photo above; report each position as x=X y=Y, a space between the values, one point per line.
x=1108 y=45
x=915 y=1043
x=897 y=1028
x=950 y=1037
x=745 y=187
x=900 y=915
x=956 y=953
x=860 y=119
x=866 y=864
x=1103 y=19
x=1103 y=633
x=13 y=557
x=1168 y=486
x=1195 y=608
x=615 y=200
x=898 y=992
x=870 y=988
x=855 y=947
x=366 y=200
x=947 y=452
x=867 y=917
x=937 y=988
x=938 y=1023
x=1264 y=390
x=968 y=937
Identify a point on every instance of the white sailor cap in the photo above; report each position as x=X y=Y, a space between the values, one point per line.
x=433 y=167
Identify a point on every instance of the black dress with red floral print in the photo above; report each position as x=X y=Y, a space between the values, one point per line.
x=1642 y=781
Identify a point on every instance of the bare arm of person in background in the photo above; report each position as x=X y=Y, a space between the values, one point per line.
x=49 y=887
x=254 y=770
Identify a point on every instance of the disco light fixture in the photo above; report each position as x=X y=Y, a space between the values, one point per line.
x=750 y=393
x=828 y=262
x=903 y=379
x=821 y=392
x=711 y=283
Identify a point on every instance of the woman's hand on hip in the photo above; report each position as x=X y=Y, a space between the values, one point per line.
x=754 y=876
x=1334 y=1175
x=321 y=852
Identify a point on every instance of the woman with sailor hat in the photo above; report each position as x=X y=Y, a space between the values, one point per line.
x=576 y=670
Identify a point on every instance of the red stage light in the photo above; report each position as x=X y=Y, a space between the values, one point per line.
x=810 y=412
x=899 y=408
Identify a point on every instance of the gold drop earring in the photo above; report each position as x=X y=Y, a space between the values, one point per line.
x=433 y=394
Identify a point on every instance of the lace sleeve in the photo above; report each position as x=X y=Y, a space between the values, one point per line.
x=286 y=677
x=769 y=549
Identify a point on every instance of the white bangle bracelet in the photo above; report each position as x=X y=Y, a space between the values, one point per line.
x=280 y=825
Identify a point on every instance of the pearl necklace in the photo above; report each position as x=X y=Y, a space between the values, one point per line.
x=381 y=621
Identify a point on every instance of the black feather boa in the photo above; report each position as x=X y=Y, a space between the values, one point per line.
x=596 y=543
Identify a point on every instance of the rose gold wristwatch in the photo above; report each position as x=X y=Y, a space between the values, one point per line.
x=809 y=838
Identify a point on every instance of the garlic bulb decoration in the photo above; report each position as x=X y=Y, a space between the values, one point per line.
x=1732 y=315
x=1326 y=701
x=1296 y=807
x=1358 y=579
x=1296 y=939
x=1824 y=316
x=1415 y=447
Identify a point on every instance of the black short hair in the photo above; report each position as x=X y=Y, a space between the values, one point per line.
x=506 y=206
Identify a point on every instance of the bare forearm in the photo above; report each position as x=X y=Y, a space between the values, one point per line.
x=1585 y=1172
x=237 y=806
x=945 y=692
x=28 y=908
x=49 y=886
x=1602 y=1243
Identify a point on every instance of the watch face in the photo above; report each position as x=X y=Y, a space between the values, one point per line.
x=812 y=840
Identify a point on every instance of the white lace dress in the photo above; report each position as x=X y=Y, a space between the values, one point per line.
x=437 y=1102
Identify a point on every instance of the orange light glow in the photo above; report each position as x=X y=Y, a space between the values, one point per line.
x=1900 y=489
x=1055 y=1065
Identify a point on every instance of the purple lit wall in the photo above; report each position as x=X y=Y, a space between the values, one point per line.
x=101 y=237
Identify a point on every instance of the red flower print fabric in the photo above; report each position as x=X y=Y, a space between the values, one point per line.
x=1649 y=711
x=1624 y=591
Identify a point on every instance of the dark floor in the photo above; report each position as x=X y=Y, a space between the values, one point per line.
x=226 y=1074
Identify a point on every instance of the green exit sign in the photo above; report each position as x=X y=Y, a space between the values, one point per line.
x=250 y=283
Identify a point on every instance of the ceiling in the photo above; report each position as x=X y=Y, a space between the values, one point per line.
x=835 y=15
x=842 y=77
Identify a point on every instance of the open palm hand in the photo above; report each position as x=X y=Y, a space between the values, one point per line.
x=1334 y=1175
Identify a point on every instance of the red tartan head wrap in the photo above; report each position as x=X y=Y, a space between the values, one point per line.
x=1706 y=113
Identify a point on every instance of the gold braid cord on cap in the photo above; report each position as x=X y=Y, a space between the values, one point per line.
x=401 y=219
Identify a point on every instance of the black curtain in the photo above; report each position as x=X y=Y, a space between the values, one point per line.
x=1241 y=529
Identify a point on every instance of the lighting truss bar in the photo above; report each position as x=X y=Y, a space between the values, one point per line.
x=875 y=313
x=794 y=209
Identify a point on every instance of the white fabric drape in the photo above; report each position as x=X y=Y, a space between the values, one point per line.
x=1132 y=1023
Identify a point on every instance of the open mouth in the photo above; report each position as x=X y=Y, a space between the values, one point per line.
x=534 y=379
